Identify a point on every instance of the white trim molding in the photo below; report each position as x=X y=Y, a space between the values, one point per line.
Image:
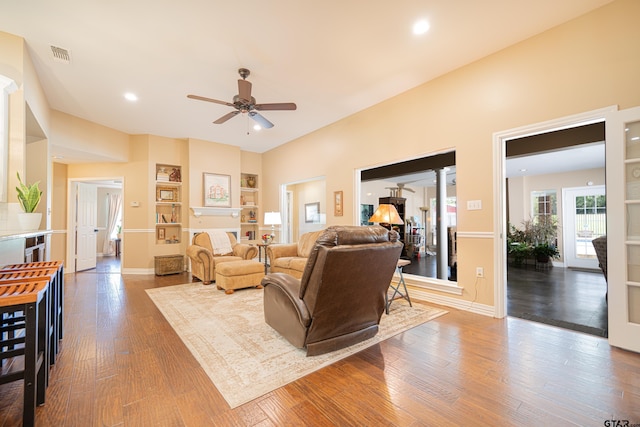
x=431 y=283
x=499 y=191
x=476 y=234
x=209 y=211
x=460 y=304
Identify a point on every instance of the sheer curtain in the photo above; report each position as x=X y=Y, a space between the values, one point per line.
x=114 y=202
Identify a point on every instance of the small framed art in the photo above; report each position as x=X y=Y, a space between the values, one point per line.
x=337 y=203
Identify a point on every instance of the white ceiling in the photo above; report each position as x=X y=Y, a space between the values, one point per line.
x=332 y=58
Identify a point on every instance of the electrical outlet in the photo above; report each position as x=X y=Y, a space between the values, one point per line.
x=479 y=272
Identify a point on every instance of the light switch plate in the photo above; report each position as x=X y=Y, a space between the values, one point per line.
x=474 y=205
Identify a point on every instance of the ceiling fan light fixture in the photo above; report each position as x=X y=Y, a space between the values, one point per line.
x=244 y=103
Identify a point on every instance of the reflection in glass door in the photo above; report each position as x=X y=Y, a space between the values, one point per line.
x=623 y=239
x=585 y=218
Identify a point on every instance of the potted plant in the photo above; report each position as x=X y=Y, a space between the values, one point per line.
x=29 y=197
x=544 y=252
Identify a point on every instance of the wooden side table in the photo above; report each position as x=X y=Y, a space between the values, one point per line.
x=397 y=292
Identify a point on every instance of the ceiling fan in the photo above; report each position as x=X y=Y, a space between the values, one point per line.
x=243 y=102
x=397 y=191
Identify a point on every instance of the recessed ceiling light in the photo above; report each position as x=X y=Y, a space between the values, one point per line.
x=523 y=170
x=256 y=127
x=421 y=27
x=130 y=96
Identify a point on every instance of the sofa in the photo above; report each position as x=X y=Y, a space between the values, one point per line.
x=204 y=260
x=340 y=298
x=290 y=258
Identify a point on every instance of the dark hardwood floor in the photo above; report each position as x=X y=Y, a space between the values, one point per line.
x=122 y=364
x=567 y=298
x=564 y=297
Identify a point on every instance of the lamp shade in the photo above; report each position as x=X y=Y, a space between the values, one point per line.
x=272 y=218
x=386 y=214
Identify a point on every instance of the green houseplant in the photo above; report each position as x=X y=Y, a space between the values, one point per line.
x=28 y=195
x=536 y=239
x=29 y=198
x=545 y=252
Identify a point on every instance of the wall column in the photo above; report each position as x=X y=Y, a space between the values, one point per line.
x=442 y=254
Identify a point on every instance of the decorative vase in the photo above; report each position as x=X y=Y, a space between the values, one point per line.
x=29 y=221
x=251 y=182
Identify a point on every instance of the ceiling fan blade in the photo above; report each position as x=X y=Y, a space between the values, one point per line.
x=202 y=98
x=226 y=117
x=266 y=124
x=276 y=106
x=244 y=90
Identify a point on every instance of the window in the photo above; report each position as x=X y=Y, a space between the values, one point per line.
x=544 y=203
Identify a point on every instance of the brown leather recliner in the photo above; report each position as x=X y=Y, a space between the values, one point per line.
x=203 y=260
x=340 y=298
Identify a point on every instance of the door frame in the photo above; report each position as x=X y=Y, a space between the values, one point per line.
x=500 y=190
x=568 y=233
x=70 y=264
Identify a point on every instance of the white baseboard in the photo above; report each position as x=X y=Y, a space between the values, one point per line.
x=460 y=304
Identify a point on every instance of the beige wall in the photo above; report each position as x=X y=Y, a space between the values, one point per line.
x=579 y=66
x=82 y=136
x=218 y=159
x=58 y=246
x=37 y=170
x=305 y=193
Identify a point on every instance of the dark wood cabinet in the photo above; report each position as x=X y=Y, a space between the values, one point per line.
x=34 y=250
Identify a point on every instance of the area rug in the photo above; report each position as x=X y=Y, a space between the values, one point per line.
x=244 y=357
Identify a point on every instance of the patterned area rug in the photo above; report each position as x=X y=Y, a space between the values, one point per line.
x=244 y=357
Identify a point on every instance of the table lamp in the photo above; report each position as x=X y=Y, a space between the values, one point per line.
x=272 y=219
x=386 y=214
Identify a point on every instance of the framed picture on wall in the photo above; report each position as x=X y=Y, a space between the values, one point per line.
x=312 y=212
x=337 y=203
x=217 y=190
x=166 y=194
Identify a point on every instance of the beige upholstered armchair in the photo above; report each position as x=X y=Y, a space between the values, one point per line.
x=291 y=258
x=204 y=258
x=341 y=296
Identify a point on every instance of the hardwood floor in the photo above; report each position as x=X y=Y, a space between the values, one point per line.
x=121 y=364
x=564 y=297
x=568 y=298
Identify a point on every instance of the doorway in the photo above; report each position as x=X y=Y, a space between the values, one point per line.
x=87 y=222
x=585 y=219
x=504 y=216
x=297 y=198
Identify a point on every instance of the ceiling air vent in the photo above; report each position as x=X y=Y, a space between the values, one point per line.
x=60 y=54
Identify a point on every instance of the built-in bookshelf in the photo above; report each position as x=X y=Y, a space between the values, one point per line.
x=249 y=202
x=168 y=210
